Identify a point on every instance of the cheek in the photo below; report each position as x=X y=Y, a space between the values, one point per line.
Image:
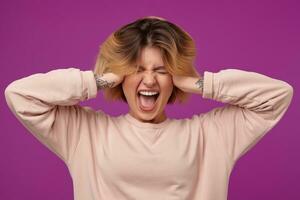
x=166 y=84
x=129 y=86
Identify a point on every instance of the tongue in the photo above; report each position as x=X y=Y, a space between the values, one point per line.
x=147 y=101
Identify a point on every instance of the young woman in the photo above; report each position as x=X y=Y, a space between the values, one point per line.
x=143 y=154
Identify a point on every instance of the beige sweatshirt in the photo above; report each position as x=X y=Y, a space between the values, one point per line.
x=121 y=158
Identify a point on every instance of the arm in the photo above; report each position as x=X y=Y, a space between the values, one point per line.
x=107 y=80
x=47 y=105
x=189 y=84
x=256 y=103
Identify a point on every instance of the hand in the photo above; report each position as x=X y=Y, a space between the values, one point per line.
x=115 y=78
x=188 y=84
x=178 y=81
x=108 y=80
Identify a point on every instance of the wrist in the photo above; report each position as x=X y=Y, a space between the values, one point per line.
x=199 y=84
x=103 y=81
x=191 y=84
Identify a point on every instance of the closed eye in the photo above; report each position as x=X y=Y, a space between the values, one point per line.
x=162 y=72
x=139 y=70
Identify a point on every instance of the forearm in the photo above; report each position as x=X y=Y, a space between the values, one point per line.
x=42 y=91
x=104 y=81
x=259 y=93
x=191 y=84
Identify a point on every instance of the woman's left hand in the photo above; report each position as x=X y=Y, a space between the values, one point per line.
x=188 y=84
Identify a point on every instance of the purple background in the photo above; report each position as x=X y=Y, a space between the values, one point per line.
x=262 y=36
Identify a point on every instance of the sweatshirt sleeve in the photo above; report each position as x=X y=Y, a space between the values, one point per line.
x=47 y=105
x=255 y=104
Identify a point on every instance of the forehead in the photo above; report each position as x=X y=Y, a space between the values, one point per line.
x=150 y=57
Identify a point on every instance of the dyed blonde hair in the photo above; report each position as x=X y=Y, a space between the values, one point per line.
x=120 y=51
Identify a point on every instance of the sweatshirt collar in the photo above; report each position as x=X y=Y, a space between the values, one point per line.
x=141 y=124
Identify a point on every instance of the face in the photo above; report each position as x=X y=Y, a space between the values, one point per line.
x=148 y=90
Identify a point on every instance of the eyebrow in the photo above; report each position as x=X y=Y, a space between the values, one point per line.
x=158 y=67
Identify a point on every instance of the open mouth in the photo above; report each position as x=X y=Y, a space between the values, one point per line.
x=147 y=100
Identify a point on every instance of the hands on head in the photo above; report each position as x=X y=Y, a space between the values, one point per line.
x=110 y=80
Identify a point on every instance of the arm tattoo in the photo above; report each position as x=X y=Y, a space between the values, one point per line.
x=199 y=84
x=101 y=83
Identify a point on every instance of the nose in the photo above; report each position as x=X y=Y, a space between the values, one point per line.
x=149 y=79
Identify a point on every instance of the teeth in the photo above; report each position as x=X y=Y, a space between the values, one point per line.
x=146 y=93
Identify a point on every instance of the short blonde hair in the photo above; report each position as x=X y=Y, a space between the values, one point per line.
x=121 y=50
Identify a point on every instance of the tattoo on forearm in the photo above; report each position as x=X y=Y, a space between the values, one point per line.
x=101 y=83
x=199 y=84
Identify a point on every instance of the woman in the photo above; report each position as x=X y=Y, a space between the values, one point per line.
x=144 y=154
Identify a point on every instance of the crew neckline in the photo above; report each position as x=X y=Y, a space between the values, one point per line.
x=141 y=124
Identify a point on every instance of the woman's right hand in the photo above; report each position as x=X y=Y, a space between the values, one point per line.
x=108 y=80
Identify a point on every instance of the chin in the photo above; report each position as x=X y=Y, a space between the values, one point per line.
x=143 y=116
x=146 y=116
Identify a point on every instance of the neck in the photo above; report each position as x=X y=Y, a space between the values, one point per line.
x=158 y=119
